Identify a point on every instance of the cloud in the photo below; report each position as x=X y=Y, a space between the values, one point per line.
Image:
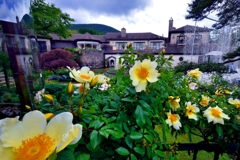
x=153 y=18
x=107 y=7
x=9 y=9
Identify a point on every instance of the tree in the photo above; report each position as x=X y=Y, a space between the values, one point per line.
x=91 y=31
x=49 y=19
x=228 y=11
x=57 y=58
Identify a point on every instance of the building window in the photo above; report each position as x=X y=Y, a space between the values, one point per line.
x=121 y=45
x=11 y=41
x=139 y=45
x=22 y=43
x=155 y=45
x=198 y=38
x=181 y=39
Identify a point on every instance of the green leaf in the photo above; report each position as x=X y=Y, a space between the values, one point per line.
x=95 y=139
x=129 y=141
x=219 y=130
x=114 y=104
x=126 y=127
x=129 y=99
x=135 y=135
x=154 y=146
x=139 y=150
x=111 y=119
x=83 y=157
x=159 y=153
x=96 y=124
x=115 y=133
x=149 y=138
x=133 y=157
x=140 y=118
x=146 y=106
x=149 y=152
x=122 y=151
x=65 y=155
x=104 y=133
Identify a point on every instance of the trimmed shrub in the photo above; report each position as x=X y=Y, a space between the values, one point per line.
x=185 y=66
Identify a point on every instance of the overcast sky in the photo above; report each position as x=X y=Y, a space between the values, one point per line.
x=134 y=15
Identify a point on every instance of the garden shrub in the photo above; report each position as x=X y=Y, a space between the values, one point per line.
x=57 y=58
x=208 y=67
x=54 y=88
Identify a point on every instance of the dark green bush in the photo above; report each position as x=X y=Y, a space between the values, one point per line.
x=54 y=88
x=11 y=97
x=208 y=67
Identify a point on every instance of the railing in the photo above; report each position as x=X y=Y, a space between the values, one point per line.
x=217 y=149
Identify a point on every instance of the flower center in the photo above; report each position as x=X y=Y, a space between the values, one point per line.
x=36 y=148
x=173 y=117
x=190 y=110
x=216 y=112
x=143 y=73
x=85 y=77
x=204 y=102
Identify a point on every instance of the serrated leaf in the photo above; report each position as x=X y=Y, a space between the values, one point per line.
x=122 y=151
x=135 y=135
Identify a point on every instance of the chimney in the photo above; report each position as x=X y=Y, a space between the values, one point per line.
x=170 y=25
x=170 y=28
x=123 y=32
x=18 y=24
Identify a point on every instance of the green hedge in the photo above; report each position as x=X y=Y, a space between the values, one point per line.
x=185 y=66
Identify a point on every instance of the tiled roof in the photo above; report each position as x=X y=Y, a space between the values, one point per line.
x=86 y=37
x=132 y=36
x=189 y=28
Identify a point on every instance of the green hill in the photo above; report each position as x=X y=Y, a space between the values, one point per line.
x=97 y=27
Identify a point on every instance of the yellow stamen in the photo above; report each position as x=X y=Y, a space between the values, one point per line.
x=143 y=73
x=85 y=77
x=173 y=117
x=190 y=110
x=36 y=148
x=216 y=113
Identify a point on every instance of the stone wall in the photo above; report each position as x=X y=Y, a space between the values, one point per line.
x=92 y=59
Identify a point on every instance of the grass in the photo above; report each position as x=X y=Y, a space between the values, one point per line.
x=183 y=155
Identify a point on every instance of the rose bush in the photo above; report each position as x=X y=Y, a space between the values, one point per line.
x=122 y=121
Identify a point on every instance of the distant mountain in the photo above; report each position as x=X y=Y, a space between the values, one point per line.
x=97 y=27
x=101 y=28
x=26 y=19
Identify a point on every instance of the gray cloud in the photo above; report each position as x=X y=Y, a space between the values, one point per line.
x=9 y=9
x=108 y=7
